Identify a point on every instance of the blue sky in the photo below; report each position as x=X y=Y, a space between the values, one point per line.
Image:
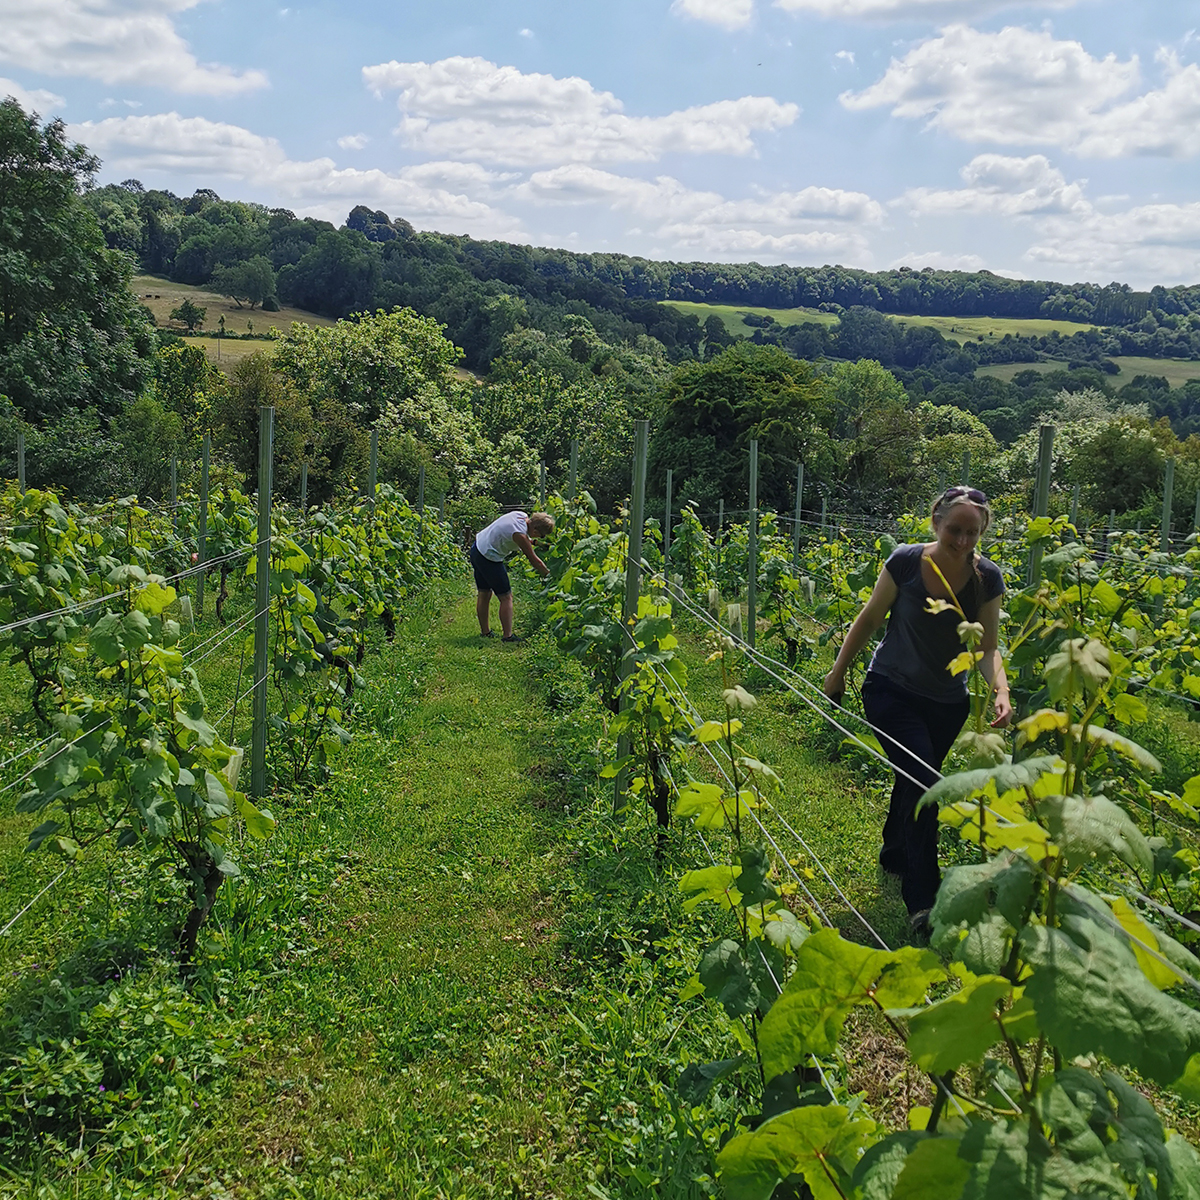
x=1057 y=140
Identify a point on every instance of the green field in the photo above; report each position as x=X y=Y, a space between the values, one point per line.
x=1176 y=371
x=161 y=295
x=986 y=329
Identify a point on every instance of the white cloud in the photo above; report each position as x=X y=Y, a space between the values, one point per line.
x=845 y=56
x=1016 y=86
x=197 y=149
x=1145 y=245
x=1003 y=187
x=525 y=33
x=1024 y=87
x=353 y=141
x=31 y=99
x=471 y=108
x=115 y=41
x=809 y=222
x=939 y=261
x=1165 y=121
x=725 y=14
x=736 y=14
x=895 y=10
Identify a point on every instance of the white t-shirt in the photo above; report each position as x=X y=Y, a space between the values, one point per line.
x=496 y=540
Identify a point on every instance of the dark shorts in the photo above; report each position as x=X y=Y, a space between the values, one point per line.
x=490 y=576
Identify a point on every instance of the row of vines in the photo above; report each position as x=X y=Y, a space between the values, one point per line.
x=1059 y=986
x=98 y=612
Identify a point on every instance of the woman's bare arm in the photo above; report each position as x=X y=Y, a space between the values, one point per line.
x=991 y=664
x=873 y=614
x=526 y=547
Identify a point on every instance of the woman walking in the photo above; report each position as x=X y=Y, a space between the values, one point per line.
x=909 y=692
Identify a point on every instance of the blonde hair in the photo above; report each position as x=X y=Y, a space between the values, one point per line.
x=539 y=524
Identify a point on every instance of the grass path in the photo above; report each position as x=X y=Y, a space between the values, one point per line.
x=419 y=1050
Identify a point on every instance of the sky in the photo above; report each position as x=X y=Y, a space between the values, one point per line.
x=1055 y=140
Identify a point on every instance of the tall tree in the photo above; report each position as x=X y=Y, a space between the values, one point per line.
x=71 y=333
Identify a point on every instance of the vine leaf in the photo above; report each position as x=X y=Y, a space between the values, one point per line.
x=877 y=1171
x=831 y=977
x=1091 y=997
x=1005 y=883
x=1077 y=664
x=1159 y=974
x=697 y=1080
x=932 y=1169
x=711 y=883
x=1093 y=829
x=727 y=978
x=814 y=1142
x=959 y=1029
x=1006 y=776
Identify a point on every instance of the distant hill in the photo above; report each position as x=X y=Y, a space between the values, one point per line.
x=481 y=290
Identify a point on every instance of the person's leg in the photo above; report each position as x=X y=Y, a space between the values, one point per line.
x=483 y=610
x=943 y=723
x=506 y=614
x=906 y=844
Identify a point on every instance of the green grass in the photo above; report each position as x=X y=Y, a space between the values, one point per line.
x=1177 y=371
x=448 y=973
x=987 y=329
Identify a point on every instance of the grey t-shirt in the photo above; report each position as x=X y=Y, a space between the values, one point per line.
x=919 y=646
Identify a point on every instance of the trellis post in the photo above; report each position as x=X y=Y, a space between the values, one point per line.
x=752 y=582
x=573 y=489
x=262 y=604
x=21 y=460
x=202 y=526
x=1041 y=498
x=1168 y=503
x=633 y=576
x=373 y=473
x=799 y=515
x=667 y=522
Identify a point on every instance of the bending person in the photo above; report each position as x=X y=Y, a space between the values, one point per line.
x=493 y=544
x=909 y=692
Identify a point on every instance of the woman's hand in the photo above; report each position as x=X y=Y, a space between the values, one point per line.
x=1002 y=707
x=835 y=686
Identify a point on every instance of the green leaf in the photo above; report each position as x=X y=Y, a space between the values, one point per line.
x=1091 y=997
x=1079 y=666
x=259 y=822
x=878 y=1169
x=832 y=976
x=933 y=1169
x=711 y=883
x=959 y=1029
x=105 y=639
x=1006 y=882
x=811 y=1142
x=727 y=978
x=1130 y=710
x=697 y=1080
x=785 y=932
x=1094 y=829
x=905 y=980
x=1185 y=1169
x=154 y=598
x=1005 y=775
x=714 y=731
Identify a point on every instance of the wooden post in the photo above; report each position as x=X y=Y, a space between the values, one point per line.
x=1168 y=504
x=421 y=502
x=174 y=486
x=21 y=460
x=304 y=488
x=373 y=473
x=262 y=602
x=541 y=485
x=752 y=572
x=202 y=526
x=1041 y=499
x=667 y=523
x=799 y=515
x=1196 y=515
x=720 y=531
x=824 y=510
x=573 y=489
x=442 y=510
x=1075 y=507
x=966 y=474
x=633 y=576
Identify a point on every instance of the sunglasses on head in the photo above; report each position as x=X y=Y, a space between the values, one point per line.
x=973 y=494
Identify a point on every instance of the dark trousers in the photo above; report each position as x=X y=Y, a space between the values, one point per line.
x=927 y=728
